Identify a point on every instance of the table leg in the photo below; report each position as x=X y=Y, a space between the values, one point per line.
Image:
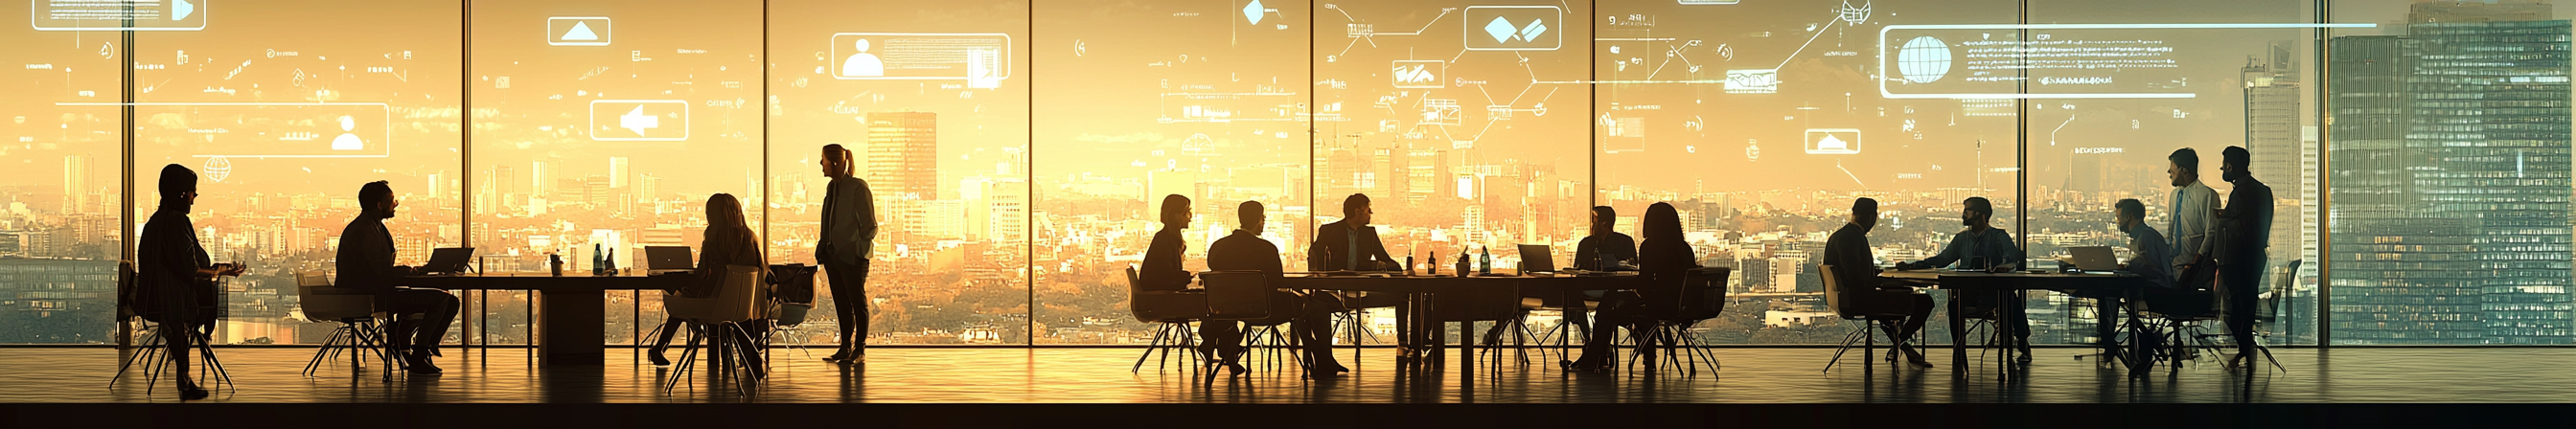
x=1467 y=353
x=575 y=328
x=1958 y=336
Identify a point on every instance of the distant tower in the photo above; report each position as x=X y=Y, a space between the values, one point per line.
x=903 y=165
x=76 y=184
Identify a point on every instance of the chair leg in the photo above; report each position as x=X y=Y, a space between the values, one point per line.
x=1157 y=342
x=1854 y=337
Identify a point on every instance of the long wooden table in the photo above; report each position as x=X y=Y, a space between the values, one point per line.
x=572 y=326
x=1423 y=332
x=1957 y=282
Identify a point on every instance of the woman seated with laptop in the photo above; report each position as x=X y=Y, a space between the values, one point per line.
x=729 y=241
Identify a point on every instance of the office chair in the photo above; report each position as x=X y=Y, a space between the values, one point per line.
x=1171 y=313
x=1871 y=322
x=1671 y=310
x=356 y=314
x=1246 y=296
x=722 y=321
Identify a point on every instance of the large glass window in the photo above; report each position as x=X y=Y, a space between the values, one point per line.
x=1761 y=122
x=284 y=112
x=933 y=101
x=60 y=192
x=2448 y=174
x=603 y=127
x=1206 y=100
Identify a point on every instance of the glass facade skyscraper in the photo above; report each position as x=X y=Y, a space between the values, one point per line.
x=2450 y=183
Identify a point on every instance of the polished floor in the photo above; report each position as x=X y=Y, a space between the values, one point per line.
x=1101 y=375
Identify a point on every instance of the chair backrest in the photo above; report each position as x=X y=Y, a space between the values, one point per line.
x=128 y=305
x=1703 y=293
x=744 y=295
x=1237 y=295
x=1834 y=292
x=1136 y=295
x=323 y=302
x=2268 y=306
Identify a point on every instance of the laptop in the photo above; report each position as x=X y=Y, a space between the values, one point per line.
x=2095 y=258
x=665 y=259
x=1536 y=259
x=447 y=260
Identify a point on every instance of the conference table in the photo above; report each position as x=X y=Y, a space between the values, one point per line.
x=1424 y=338
x=572 y=325
x=2127 y=285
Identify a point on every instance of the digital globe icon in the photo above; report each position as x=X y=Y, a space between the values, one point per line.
x=1923 y=60
x=218 y=168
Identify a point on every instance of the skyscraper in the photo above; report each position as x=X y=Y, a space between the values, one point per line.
x=903 y=164
x=75 y=184
x=2272 y=127
x=2451 y=179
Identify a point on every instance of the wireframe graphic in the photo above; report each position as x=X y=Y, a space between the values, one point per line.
x=639 y=120
x=1923 y=60
x=174 y=15
x=1514 y=28
x=292 y=130
x=1440 y=111
x=983 y=60
x=1762 y=81
x=578 y=31
x=1420 y=73
x=1833 y=141
x=218 y=169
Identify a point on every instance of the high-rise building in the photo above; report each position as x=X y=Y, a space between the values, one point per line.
x=2451 y=179
x=2272 y=135
x=76 y=184
x=903 y=164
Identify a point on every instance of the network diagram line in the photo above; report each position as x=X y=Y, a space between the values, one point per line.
x=1802 y=47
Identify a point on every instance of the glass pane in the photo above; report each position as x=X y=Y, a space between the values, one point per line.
x=2110 y=105
x=932 y=99
x=2449 y=173
x=604 y=127
x=1204 y=100
x=1761 y=122
x=59 y=212
x=284 y=115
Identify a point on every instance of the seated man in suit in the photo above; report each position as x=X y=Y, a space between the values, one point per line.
x=366 y=262
x=1245 y=250
x=1984 y=247
x=1848 y=251
x=1350 y=244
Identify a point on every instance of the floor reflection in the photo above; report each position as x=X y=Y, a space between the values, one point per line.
x=1102 y=375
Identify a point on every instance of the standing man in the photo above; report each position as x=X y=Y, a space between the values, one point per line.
x=849 y=234
x=2195 y=212
x=2247 y=222
x=366 y=262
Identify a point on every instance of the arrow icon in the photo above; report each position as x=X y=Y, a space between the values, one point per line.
x=637 y=121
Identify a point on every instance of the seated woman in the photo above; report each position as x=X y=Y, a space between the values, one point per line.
x=729 y=241
x=1663 y=257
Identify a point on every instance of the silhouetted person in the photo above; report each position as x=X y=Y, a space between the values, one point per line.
x=174 y=276
x=849 y=235
x=1984 y=247
x=1849 y=252
x=2149 y=259
x=1350 y=244
x=2194 y=217
x=366 y=262
x=1163 y=271
x=1662 y=259
x=2247 y=221
x=1606 y=249
x=1245 y=250
x=729 y=241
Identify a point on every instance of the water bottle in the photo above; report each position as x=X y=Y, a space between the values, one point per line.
x=1484 y=260
x=1434 y=263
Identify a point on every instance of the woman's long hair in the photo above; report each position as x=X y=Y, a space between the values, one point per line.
x=726 y=224
x=1662 y=222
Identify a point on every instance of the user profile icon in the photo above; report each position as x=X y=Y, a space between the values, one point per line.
x=863 y=64
x=347 y=140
